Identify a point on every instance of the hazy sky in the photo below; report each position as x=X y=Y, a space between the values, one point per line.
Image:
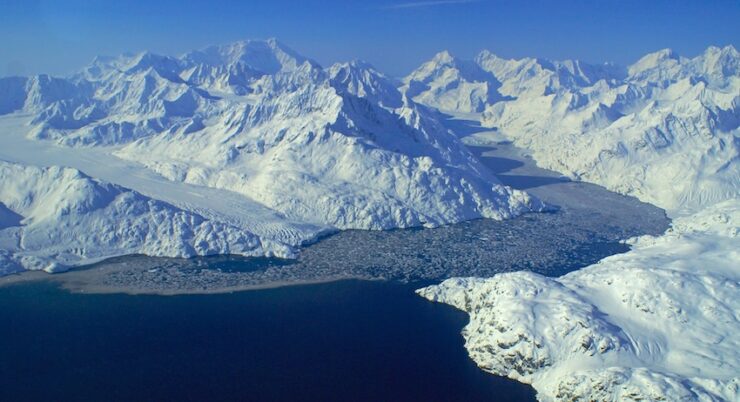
x=59 y=37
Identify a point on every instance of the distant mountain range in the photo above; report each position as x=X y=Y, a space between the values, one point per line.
x=664 y=129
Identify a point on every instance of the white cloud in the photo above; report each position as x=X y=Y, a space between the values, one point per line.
x=418 y=4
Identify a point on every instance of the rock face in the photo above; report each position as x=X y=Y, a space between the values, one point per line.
x=340 y=147
x=54 y=217
x=657 y=323
x=668 y=124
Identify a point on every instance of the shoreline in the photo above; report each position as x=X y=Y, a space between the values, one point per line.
x=210 y=291
x=552 y=244
x=73 y=281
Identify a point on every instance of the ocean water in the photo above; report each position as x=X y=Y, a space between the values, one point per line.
x=348 y=340
x=341 y=341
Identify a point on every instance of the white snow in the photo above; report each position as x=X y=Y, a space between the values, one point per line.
x=657 y=323
x=661 y=321
x=253 y=136
x=58 y=217
x=449 y=84
x=668 y=124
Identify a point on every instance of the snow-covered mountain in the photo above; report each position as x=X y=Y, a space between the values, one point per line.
x=529 y=77
x=657 y=323
x=361 y=79
x=450 y=84
x=665 y=129
x=462 y=86
x=51 y=218
x=340 y=147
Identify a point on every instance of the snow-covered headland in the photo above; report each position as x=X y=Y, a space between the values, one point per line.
x=250 y=138
x=661 y=321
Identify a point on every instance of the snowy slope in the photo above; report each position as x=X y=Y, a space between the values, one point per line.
x=531 y=77
x=343 y=146
x=361 y=79
x=461 y=86
x=670 y=129
x=312 y=148
x=450 y=84
x=340 y=159
x=657 y=323
x=52 y=218
x=668 y=125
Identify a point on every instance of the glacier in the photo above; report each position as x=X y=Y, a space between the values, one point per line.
x=56 y=217
x=296 y=149
x=660 y=321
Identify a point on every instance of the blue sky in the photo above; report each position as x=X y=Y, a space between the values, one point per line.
x=59 y=37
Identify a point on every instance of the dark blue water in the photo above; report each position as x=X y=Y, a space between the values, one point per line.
x=342 y=341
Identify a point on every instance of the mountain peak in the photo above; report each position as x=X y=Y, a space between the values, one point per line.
x=486 y=54
x=361 y=79
x=727 y=51
x=658 y=56
x=268 y=56
x=719 y=64
x=443 y=57
x=147 y=59
x=666 y=53
x=245 y=44
x=355 y=66
x=653 y=60
x=360 y=64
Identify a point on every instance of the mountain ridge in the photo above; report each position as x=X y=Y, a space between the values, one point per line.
x=590 y=120
x=655 y=323
x=338 y=147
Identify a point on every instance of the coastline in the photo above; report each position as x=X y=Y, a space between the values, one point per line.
x=548 y=243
